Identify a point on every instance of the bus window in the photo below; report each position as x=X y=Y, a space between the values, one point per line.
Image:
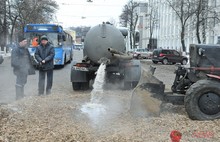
x=61 y=40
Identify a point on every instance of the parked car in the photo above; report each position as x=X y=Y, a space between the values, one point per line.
x=142 y=53
x=167 y=56
x=78 y=46
x=131 y=51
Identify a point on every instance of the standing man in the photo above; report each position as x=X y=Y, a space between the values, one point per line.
x=44 y=55
x=21 y=63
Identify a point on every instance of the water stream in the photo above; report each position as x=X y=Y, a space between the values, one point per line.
x=95 y=108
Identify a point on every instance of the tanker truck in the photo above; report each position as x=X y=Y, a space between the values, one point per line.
x=105 y=44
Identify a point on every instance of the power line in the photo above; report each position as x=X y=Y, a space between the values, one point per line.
x=86 y=16
x=102 y=5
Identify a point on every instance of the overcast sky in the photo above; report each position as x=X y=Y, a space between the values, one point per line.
x=83 y=13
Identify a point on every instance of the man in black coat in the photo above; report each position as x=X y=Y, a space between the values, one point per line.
x=22 y=67
x=44 y=55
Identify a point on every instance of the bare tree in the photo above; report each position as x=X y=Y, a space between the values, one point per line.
x=3 y=24
x=129 y=18
x=153 y=21
x=15 y=14
x=206 y=17
x=184 y=9
x=35 y=11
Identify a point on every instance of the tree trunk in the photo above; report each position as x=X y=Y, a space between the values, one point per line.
x=197 y=30
x=4 y=28
x=182 y=39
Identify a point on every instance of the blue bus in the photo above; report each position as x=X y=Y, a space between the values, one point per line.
x=61 y=40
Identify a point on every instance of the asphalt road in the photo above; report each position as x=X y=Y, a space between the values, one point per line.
x=61 y=82
x=7 y=80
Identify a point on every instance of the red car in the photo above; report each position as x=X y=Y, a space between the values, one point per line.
x=167 y=56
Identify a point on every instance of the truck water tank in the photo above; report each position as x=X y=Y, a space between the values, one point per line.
x=99 y=39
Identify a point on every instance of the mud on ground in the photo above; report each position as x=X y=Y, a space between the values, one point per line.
x=59 y=117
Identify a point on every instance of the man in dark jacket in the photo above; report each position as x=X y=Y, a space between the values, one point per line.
x=44 y=55
x=21 y=63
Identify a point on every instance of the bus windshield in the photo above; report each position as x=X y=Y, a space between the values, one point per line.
x=35 y=38
x=57 y=37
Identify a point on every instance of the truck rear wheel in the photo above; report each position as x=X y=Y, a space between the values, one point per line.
x=80 y=85
x=76 y=85
x=202 y=100
x=85 y=85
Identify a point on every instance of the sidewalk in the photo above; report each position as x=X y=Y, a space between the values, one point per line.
x=4 y=54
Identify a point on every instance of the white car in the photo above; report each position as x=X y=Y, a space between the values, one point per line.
x=78 y=46
x=142 y=53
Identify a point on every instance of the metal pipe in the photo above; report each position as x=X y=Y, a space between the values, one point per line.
x=85 y=59
x=124 y=56
x=113 y=51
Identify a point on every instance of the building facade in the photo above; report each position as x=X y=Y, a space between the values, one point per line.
x=158 y=22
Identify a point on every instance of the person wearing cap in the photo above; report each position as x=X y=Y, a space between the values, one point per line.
x=22 y=67
x=44 y=54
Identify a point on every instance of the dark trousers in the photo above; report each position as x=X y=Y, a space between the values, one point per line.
x=21 y=80
x=41 y=83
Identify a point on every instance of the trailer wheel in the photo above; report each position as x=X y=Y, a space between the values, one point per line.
x=76 y=85
x=202 y=100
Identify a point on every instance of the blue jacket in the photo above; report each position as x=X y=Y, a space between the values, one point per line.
x=46 y=53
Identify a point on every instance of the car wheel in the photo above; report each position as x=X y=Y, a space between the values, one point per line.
x=155 y=62
x=139 y=57
x=184 y=62
x=165 y=61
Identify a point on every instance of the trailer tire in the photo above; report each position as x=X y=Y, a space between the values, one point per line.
x=196 y=103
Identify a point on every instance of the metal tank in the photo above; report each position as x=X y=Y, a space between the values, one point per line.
x=101 y=40
x=105 y=44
